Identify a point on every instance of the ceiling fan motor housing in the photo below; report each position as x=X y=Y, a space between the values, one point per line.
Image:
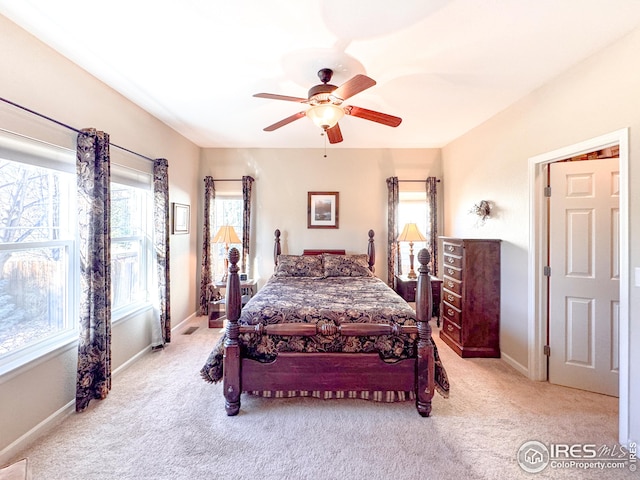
x=322 y=94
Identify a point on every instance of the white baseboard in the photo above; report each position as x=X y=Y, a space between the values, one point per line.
x=518 y=366
x=183 y=325
x=12 y=450
x=44 y=427
x=146 y=350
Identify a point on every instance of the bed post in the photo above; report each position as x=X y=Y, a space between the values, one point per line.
x=276 y=248
x=231 y=365
x=371 y=251
x=425 y=369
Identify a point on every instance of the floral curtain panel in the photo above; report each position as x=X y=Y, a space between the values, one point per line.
x=247 y=185
x=392 y=228
x=161 y=250
x=205 y=270
x=94 y=224
x=432 y=219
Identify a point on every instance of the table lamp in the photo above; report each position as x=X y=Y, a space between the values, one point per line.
x=226 y=235
x=410 y=233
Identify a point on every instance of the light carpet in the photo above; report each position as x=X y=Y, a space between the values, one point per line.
x=162 y=421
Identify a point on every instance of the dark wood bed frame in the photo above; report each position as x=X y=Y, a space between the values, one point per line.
x=329 y=371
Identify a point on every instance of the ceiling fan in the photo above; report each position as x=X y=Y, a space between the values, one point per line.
x=327 y=108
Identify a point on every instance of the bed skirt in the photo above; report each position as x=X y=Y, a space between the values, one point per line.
x=374 y=396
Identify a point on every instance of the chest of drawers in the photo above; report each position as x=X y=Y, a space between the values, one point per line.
x=470 y=307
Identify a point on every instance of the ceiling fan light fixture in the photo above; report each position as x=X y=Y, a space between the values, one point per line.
x=325 y=115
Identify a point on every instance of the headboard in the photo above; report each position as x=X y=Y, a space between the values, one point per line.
x=320 y=252
x=371 y=250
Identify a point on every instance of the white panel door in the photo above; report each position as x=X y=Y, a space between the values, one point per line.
x=584 y=282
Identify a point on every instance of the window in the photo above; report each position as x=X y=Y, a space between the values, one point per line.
x=227 y=211
x=39 y=270
x=38 y=249
x=131 y=219
x=412 y=208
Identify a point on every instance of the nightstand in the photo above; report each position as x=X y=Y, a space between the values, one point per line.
x=406 y=288
x=216 y=299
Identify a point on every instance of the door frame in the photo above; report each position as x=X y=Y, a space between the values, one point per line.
x=537 y=297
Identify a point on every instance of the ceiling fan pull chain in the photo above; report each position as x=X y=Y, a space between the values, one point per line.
x=324 y=134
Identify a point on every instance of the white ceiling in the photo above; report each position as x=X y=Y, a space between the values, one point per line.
x=444 y=66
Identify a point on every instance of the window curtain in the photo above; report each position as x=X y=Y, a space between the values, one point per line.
x=247 y=185
x=205 y=268
x=162 y=332
x=392 y=228
x=94 y=224
x=432 y=222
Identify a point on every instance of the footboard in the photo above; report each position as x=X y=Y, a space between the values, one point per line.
x=329 y=371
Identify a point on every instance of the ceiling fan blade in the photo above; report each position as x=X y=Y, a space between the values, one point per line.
x=284 y=121
x=382 y=118
x=334 y=134
x=274 y=96
x=355 y=85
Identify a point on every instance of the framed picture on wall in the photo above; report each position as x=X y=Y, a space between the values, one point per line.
x=322 y=209
x=180 y=224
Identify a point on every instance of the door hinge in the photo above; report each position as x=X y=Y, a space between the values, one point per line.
x=547 y=350
x=547 y=191
x=546 y=271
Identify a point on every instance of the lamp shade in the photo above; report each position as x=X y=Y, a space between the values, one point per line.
x=410 y=233
x=325 y=115
x=226 y=235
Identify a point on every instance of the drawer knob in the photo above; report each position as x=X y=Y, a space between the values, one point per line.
x=450 y=259
x=450 y=312
x=450 y=248
x=449 y=327
x=450 y=271
x=450 y=284
x=450 y=297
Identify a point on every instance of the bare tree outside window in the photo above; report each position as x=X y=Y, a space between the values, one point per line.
x=35 y=242
x=130 y=245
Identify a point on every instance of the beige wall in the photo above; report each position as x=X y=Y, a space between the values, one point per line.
x=38 y=78
x=598 y=96
x=284 y=176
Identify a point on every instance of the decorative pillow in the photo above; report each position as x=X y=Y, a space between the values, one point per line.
x=299 y=266
x=346 y=265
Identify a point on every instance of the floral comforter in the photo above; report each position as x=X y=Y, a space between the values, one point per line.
x=333 y=300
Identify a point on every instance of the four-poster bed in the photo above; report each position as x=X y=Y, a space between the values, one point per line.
x=324 y=326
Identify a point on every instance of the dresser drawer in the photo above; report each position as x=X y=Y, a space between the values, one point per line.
x=451 y=285
x=451 y=298
x=453 y=272
x=451 y=261
x=452 y=314
x=452 y=330
x=452 y=248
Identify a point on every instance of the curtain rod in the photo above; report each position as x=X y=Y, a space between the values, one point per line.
x=421 y=181
x=57 y=122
